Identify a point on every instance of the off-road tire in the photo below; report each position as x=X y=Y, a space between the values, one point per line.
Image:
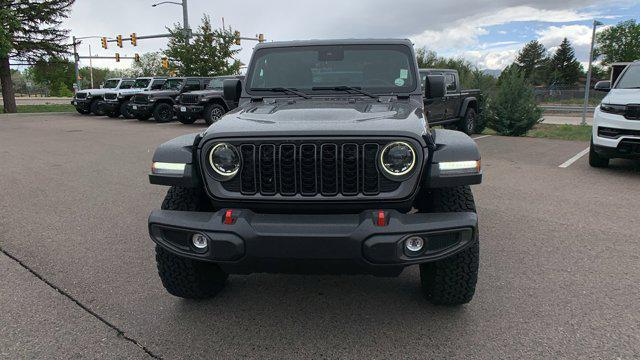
x=468 y=123
x=163 y=113
x=114 y=113
x=213 y=113
x=83 y=111
x=124 y=110
x=452 y=281
x=186 y=120
x=183 y=277
x=96 y=109
x=596 y=160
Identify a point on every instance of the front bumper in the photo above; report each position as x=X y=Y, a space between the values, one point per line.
x=305 y=243
x=111 y=106
x=140 y=109
x=82 y=104
x=190 y=111
x=622 y=143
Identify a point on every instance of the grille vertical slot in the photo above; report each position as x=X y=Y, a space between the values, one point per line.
x=350 y=173
x=329 y=169
x=370 y=175
x=308 y=185
x=248 y=174
x=267 y=167
x=288 y=180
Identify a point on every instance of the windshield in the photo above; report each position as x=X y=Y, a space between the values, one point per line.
x=127 y=84
x=173 y=84
x=630 y=79
x=141 y=83
x=380 y=69
x=216 y=83
x=111 y=84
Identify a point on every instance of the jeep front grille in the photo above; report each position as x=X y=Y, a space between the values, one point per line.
x=110 y=96
x=304 y=168
x=189 y=99
x=141 y=99
x=81 y=95
x=632 y=112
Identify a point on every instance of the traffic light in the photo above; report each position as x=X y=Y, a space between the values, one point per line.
x=119 y=40
x=260 y=37
x=237 y=35
x=134 y=39
x=104 y=42
x=136 y=58
x=117 y=57
x=165 y=62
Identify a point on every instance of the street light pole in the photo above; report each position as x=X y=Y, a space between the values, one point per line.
x=185 y=16
x=75 y=62
x=587 y=86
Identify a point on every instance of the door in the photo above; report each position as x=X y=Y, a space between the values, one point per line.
x=434 y=107
x=452 y=103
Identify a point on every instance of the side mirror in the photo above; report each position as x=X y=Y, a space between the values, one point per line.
x=434 y=86
x=603 y=86
x=231 y=89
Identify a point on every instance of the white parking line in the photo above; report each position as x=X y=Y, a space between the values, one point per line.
x=568 y=163
x=480 y=137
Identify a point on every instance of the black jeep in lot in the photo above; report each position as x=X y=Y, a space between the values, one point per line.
x=208 y=104
x=458 y=108
x=159 y=103
x=328 y=165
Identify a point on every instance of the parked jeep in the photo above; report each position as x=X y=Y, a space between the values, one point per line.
x=328 y=165
x=458 y=108
x=208 y=103
x=159 y=103
x=90 y=101
x=116 y=103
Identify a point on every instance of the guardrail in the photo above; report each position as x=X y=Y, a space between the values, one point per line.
x=567 y=108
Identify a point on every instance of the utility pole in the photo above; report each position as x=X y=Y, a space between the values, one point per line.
x=185 y=18
x=75 y=61
x=587 y=86
x=91 y=67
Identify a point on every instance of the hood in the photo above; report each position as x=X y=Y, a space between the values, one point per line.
x=97 y=91
x=206 y=92
x=130 y=91
x=160 y=93
x=323 y=117
x=622 y=97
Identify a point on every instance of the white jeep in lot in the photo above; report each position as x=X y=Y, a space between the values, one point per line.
x=616 y=122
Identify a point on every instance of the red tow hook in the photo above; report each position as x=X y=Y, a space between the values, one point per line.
x=229 y=218
x=381 y=218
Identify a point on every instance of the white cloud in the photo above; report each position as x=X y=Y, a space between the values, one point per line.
x=579 y=35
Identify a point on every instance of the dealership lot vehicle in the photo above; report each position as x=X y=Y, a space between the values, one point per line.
x=616 y=122
x=159 y=103
x=539 y=293
x=338 y=155
x=458 y=108
x=90 y=101
x=208 y=104
x=117 y=103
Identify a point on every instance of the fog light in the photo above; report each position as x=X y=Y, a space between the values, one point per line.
x=414 y=244
x=199 y=241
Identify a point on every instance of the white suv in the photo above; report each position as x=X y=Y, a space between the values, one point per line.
x=616 y=122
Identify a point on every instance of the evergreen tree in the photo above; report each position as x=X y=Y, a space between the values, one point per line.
x=513 y=111
x=565 y=68
x=29 y=31
x=209 y=54
x=532 y=62
x=619 y=43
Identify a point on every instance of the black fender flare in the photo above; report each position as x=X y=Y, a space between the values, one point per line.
x=180 y=150
x=452 y=146
x=465 y=105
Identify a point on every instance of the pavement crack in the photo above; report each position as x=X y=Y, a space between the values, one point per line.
x=120 y=332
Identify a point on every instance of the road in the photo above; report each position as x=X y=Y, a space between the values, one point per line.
x=560 y=263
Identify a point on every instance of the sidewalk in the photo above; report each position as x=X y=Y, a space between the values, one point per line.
x=565 y=119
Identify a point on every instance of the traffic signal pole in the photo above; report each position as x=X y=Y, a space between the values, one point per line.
x=75 y=62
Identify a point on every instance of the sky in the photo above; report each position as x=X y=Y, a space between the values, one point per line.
x=488 y=33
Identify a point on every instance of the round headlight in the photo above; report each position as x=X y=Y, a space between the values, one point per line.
x=397 y=158
x=225 y=160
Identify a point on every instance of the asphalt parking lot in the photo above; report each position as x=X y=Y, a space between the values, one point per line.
x=559 y=270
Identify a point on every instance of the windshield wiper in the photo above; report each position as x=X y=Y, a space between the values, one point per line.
x=284 y=90
x=345 y=88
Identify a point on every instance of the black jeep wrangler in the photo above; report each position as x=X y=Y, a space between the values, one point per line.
x=328 y=165
x=209 y=103
x=159 y=103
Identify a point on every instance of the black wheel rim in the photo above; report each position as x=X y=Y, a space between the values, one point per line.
x=216 y=114
x=165 y=114
x=471 y=124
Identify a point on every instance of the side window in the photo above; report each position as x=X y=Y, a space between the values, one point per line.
x=157 y=84
x=192 y=84
x=450 y=81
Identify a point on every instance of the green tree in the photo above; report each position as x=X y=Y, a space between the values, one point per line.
x=619 y=43
x=56 y=74
x=565 y=68
x=29 y=31
x=210 y=52
x=532 y=61
x=150 y=65
x=513 y=111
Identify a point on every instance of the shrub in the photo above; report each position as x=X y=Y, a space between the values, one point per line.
x=513 y=110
